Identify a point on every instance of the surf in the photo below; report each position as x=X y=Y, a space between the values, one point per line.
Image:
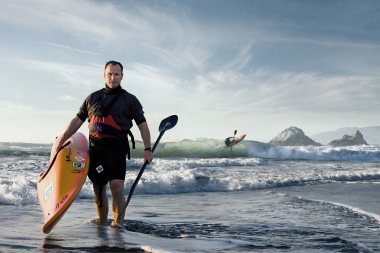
x=215 y=148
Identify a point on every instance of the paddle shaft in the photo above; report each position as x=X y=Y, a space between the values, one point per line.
x=139 y=175
x=235 y=132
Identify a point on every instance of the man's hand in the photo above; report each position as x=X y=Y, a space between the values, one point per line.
x=58 y=143
x=73 y=126
x=148 y=155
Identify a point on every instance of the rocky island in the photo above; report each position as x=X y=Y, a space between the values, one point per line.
x=293 y=136
x=347 y=140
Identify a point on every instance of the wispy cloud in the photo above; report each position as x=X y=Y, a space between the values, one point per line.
x=101 y=21
x=27 y=123
x=284 y=92
x=67 y=98
x=72 y=49
x=77 y=75
x=246 y=62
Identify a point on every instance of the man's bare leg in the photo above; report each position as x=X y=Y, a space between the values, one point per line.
x=118 y=202
x=103 y=210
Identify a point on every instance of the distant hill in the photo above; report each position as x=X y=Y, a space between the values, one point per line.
x=370 y=134
x=349 y=140
x=293 y=136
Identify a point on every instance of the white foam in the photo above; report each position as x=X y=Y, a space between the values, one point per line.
x=357 y=210
x=323 y=153
x=17 y=190
x=194 y=175
x=19 y=177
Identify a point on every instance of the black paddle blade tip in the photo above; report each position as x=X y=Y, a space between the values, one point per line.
x=168 y=123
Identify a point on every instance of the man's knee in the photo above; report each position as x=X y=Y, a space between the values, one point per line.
x=117 y=186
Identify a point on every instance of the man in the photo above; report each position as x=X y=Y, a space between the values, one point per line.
x=110 y=112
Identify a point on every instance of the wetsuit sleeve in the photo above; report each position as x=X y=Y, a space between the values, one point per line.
x=83 y=110
x=138 y=113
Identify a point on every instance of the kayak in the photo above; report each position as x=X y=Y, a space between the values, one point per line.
x=61 y=182
x=230 y=141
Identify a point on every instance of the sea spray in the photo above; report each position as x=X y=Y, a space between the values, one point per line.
x=248 y=166
x=214 y=148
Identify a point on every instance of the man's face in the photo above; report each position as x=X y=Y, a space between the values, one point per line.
x=113 y=76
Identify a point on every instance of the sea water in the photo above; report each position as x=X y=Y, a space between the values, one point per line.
x=199 y=196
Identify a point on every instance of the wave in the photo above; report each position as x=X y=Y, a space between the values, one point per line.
x=24 y=149
x=176 y=176
x=343 y=208
x=214 y=148
x=17 y=191
x=187 y=180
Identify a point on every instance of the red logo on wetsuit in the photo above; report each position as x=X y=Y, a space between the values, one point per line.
x=104 y=127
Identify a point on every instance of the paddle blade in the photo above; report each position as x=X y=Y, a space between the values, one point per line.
x=168 y=123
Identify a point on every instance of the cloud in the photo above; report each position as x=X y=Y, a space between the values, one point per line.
x=266 y=91
x=67 y=98
x=72 y=49
x=246 y=63
x=27 y=123
x=100 y=21
x=84 y=75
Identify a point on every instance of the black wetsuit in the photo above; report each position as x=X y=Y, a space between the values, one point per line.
x=110 y=113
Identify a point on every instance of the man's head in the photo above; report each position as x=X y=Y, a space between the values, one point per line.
x=113 y=74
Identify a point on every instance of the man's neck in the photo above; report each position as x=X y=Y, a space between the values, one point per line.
x=113 y=90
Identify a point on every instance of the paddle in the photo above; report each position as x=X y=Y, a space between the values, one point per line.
x=233 y=140
x=166 y=124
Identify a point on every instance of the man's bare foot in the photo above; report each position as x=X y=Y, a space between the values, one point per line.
x=116 y=225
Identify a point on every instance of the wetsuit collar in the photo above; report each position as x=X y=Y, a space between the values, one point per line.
x=114 y=90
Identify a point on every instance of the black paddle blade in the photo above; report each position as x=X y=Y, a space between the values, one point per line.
x=168 y=123
x=165 y=124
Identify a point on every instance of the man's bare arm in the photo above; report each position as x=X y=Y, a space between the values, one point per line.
x=145 y=135
x=73 y=126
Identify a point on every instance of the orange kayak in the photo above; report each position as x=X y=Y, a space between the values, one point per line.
x=61 y=182
x=230 y=141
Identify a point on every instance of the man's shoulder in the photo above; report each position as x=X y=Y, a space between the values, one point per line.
x=95 y=93
x=92 y=97
x=128 y=94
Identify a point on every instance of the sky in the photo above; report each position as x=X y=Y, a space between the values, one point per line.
x=257 y=67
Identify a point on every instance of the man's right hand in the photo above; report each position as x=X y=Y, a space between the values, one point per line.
x=73 y=126
x=58 y=143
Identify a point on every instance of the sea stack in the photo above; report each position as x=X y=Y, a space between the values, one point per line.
x=347 y=140
x=293 y=136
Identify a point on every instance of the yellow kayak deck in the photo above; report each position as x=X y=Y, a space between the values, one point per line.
x=63 y=179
